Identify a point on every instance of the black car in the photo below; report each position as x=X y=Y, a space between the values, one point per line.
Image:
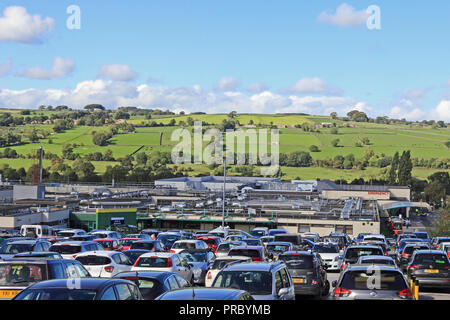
x=134 y=254
x=168 y=239
x=154 y=284
x=151 y=245
x=407 y=253
x=431 y=268
x=200 y=260
x=307 y=271
x=206 y=294
x=17 y=274
x=83 y=289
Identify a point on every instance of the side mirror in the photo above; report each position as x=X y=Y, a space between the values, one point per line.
x=341 y=252
x=190 y=265
x=334 y=283
x=283 y=291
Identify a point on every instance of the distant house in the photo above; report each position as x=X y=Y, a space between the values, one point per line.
x=281 y=126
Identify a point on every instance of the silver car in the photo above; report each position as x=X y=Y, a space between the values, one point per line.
x=371 y=282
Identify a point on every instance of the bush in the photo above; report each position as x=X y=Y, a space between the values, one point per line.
x=314 y=148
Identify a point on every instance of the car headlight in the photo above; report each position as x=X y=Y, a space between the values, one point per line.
x=197 y=272
x=336 y=258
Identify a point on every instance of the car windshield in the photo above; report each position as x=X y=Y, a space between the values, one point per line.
x=183 y=245
x=362 y=280
x=355 y=253
x=101 y=235
x=277 y=247
x=293 y=261
x=17 y=274
x=411 y=249
x=326 y=248
x=254 y=282
x=56 y=294
x=94 y=260
x=194 y=256
x=168 y=237
x=152 y=262
x=225 y=247
x=438 y=261
x=65 y=249
x=12 y=248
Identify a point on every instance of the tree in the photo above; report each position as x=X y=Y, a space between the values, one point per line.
x=335 y=142
x=357 y=116
x=392 y=180
x=101 y=138
x=443 y=178
x=434 y=192
x=334 y=131
x=232 y=114
x=405 y=169
x=314 y=148
x=108 y=155
x=141 y=158
x=333 y=115
x=92 y=107
x=441 y=225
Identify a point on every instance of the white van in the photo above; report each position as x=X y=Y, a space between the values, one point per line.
x=36 y=231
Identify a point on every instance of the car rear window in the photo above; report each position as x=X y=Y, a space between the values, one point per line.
x=183 y=245
x=293 y=239
x=411 y=249
x=65 y=234
x=65 y=249
x=12 y=248
x=142 y=245
x=437 y=261
x=244 y=252
x=355 y=253
x=21 y=274
x=252 y=242
x=152 y=262
x=277 y=247
x=364 y=280
x=254 y=282
x=378 y=261
x=94 y=260
x=327 y=248
x=219 y=264
x=210 y=241
x=297 y=261
x=225 y=247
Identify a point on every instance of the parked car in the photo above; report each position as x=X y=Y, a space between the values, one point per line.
x=273 y=232
x=422 y=235
x=70 y=249
x=151 y=232
x=106 y=234
x=257 y=253
x=431 y=268
x=352 y=254
x=355 y=283
x=329 y=252
x=17 y=274
x=445 y=246
x=277 y=248
x=153 y=284
x=377 y=260
x=308 y=272
x=83 y=237
x=212 y=241
x=164 y=262
x=168 y=239
x=206 y=294
x=143 y=236
x=263 y=280
x=219 y=263
x=104 y=264
x=87 y=289
x=134 y=254
x=266 y=239
x=199 y=260
x=181 y=245
x=69 y=233
x=126 y=242
x=10 y=248
x=152 y=245
x=382 y=244
x=224 y=247
x=407 y=253
x=110 y=244
x=293 y=238
x=438 y=240
x=235 y=237
x=260 y=232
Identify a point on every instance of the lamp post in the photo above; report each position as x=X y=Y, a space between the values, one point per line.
x=224 y=148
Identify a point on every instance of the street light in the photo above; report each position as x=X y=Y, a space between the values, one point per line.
x=224 y=149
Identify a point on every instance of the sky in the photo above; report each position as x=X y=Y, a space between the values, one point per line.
x=313 y=57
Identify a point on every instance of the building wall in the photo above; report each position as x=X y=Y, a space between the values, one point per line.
x=365 y=195
x=28 y=192
x=11 y=222
x=6 y=195
x=400 y=193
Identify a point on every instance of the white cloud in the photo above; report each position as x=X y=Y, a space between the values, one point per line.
x=441 y=112
x=5 y=67
x=61 y=68
x=257 y=87
x=345 y=16
x=227 y=84
x=313 y=86
x=119 y=72
x=17 y=25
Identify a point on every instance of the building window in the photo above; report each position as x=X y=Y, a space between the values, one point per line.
x=303 y=228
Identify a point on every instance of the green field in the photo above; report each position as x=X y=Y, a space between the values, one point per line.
x=384 y=139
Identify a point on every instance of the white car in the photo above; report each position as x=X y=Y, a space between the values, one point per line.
x=67 y=233
x=71 y=249
x=105 y=234
x=219 y=263
x=224 y=247
x=181 y=245
x=164 y=262
x=104 y=264
x=329 y=252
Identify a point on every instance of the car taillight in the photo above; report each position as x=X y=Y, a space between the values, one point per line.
x=386 y=253
x=74 y=256
x=136 y=263
x=109 y=269
x=172 y=251
x=405 y=293
x=169 y=262
x=341 y=292
x=209 y=276
x=437 y=246
x=405 y=255
x=315 y=282
x=343 y=266
x=413 y=267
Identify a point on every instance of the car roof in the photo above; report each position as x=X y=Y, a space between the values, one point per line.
x=105 y=239
x=196 y=293
x=283 y=243
x=84 y=283
x=376 y=257
x=362 y=247
x=160 y=276
x=102 y=253
x=25 y=241
x=430 y=251
x=363 y=267
x=247 y=248
x=158 y=254
x=232 y=258
x=188 y=241
x=296 y=252
x=253 y=266
x=72 y=243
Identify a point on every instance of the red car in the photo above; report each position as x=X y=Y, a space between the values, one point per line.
x=110 y=244
x=126 y=243
x=212 y=241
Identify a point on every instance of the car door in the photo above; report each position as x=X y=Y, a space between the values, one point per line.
x=125 y=263
x=172 y=283
x=287 y=283
x=71 y=270
x=108 y=294
x=182 y=282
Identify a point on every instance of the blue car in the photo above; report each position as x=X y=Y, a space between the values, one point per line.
x=206 y=294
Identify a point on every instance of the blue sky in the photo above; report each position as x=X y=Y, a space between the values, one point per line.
x=180 y=50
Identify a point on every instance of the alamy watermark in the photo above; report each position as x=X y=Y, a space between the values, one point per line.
x=73 y=22
x=216 y=152
x=374 y=20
